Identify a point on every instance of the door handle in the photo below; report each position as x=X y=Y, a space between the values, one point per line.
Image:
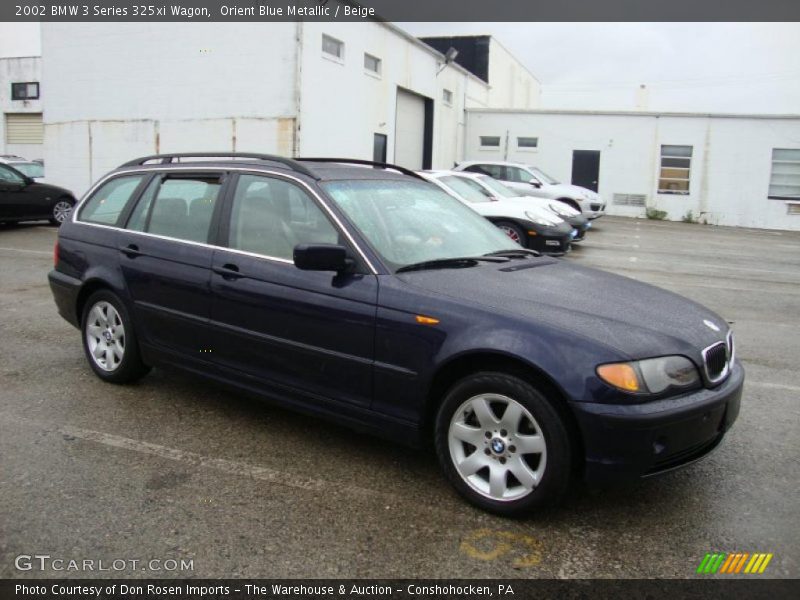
x=131 y=250
x=229 y=271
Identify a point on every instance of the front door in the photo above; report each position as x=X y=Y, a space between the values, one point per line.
x=309 y=332
x=586 y=168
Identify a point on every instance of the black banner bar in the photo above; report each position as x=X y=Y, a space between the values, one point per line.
x=401 y=589
x=401 y=10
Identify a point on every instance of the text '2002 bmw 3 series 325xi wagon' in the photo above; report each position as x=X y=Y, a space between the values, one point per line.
x=359 y=292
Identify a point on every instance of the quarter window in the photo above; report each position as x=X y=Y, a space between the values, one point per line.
x=180 y=207
x=675 y=168
x=784 y=181
x=271 y=216
x=108 y=202
x=332 y=46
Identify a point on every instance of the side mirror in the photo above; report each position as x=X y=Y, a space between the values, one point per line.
x=321 y=257
x=535 y=183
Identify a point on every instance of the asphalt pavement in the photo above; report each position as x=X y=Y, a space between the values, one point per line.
x=210 y=483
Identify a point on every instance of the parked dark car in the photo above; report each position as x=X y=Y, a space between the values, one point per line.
x=24 y=199
x=360 y=293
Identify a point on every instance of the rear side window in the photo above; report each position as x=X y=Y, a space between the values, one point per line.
x=177 y=207
x=108 y=202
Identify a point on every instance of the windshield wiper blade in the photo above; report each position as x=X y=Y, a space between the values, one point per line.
x=514 y=253
x=444 y=263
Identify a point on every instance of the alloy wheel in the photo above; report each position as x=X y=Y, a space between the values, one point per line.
x=61 y=211
x=497 y=447
x=105 y=336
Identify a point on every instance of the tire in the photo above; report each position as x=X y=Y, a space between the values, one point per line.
x=513 y=231
x=534 y=448
x=109 y=340
x=61 y=210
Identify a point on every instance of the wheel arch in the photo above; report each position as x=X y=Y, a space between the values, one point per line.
x=486 y=360
x=88 y=288
x=571 y=202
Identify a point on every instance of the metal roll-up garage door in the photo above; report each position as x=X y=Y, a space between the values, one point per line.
x=24 y=128
x=409 y=130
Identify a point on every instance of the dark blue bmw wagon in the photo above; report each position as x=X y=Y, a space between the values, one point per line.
x=359 y=292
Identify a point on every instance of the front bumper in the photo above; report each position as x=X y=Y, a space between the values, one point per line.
x=593 y=210
x=640 y=440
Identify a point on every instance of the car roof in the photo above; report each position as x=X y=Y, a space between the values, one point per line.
x=493 y=162
x=320 y=169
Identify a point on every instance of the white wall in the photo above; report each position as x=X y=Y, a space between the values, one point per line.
x=18 y=70
x=116 y=91
x=511 y=84
x=342 y=105
x=730 y=169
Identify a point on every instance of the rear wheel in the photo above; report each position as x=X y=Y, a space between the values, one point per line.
x=502 y=444
x=62 y=210
x=513 y=231
x=109 y=340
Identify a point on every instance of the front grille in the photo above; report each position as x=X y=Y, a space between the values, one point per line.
x=716 y=358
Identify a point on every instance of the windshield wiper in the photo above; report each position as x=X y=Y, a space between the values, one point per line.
x=514 y=253
x=455 y=263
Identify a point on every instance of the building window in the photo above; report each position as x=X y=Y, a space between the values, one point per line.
x=25 y=91
x=675 y=166
x=372 y=63
x=490 y=141
x=332 y=47
x=447 y=97
x=527 y=142
x=784 y=182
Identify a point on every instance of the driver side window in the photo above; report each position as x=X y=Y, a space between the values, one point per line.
x=271 y=216
x=9 y=176
x=518 y=175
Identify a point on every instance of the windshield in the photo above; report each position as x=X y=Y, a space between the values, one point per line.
x=462 y=187
x=409 y=222
x=31 y=169
x=496 y=187
x=544 y=176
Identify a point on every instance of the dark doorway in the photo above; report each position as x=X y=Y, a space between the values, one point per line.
x=586 y=168
x=379 y=143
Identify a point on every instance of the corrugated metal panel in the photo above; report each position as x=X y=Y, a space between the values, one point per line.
x=24 y=128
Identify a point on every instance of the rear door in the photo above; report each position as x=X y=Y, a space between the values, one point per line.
x=306 y=331
x=166 y=259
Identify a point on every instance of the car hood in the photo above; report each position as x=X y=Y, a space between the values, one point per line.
x=49 y=188
x=516 y=209
x=572 y=191
x=636 y=319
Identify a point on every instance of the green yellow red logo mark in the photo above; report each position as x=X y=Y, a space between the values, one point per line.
x=734 y=563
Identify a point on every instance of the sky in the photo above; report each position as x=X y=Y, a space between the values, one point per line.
x=694 y=67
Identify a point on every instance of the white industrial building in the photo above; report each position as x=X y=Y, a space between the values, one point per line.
x=363 y=90
x=21 y=128
x=741 y=170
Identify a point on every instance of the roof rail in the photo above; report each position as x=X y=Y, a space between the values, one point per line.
x=170 y=158
x=368 y=163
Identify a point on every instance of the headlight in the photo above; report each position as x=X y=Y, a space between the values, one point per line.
x=651 y=376
x=541 y=220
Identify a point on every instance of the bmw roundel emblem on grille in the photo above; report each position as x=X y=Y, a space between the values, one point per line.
x=711 y=325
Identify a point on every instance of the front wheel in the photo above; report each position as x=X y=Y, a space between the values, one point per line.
x=513 y=231
x=62 y=210
x=109 y=340
x=502 y=444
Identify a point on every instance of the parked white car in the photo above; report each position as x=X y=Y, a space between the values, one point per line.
x=499 y=191
x=530 y=181
x=524 y=221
